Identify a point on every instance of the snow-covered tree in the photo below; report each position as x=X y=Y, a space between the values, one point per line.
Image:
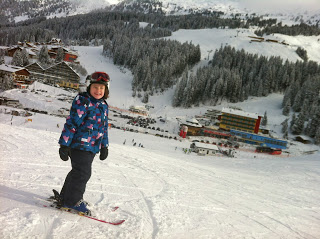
x=264 y=120
x=285 y=125
x=17 y=58
x=60 y=55
x=317 y=136
x=43 y=56
x=25 y=57
x=6 y=82
x=145 y=98
x=2 y=61
x=286 y=108
x=298 y=126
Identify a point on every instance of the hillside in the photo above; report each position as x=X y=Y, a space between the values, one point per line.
x=288 y=13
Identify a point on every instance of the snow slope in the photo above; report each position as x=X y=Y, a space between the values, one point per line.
x=161 y=192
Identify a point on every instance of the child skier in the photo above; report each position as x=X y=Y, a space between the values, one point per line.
x=85 y=133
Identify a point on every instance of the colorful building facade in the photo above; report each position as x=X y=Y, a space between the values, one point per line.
x=239 y=120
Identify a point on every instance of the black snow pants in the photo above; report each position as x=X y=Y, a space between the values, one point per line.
x=76 y=180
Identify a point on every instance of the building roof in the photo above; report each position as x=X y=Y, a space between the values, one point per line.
x=191 y=122
x=11 y=68
x=206 y=146
x=240 y=113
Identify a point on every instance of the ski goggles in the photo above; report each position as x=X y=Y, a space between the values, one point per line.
x=100 y=76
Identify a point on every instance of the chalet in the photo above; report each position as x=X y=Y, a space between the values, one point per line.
x=13 y=49
x=302 y=139
x=55 y=41
x=69 y=56
x=60 y=73
x=19 y=75
x=204 y=149
x=239 y=120
x=32 y=52
x=34 y=48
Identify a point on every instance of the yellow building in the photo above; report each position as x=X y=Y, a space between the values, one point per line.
x=239 y=120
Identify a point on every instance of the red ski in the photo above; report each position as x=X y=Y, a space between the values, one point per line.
x=116 y=222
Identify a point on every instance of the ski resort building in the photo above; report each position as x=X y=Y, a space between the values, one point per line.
x=19 y=75
x=61 y=74
x=239 y=120
x=204 y=149
x=193 y=126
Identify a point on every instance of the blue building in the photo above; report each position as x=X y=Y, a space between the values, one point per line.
x=251 y=138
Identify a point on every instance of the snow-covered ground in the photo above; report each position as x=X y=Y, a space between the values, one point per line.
x=161 y=191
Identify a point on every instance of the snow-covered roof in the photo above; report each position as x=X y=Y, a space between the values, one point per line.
x=11 y=68
x=240 y=112
x=30 y=52
x=206 y=146
x=192 y=122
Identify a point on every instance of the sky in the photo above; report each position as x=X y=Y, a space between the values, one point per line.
x=285 y=4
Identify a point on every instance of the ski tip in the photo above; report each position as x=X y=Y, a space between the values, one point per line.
x=118 y=222
x=114 y=209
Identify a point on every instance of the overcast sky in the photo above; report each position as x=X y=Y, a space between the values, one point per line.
x=281 y=4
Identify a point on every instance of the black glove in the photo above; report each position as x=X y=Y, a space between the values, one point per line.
x=64 y=152
x=103 y=153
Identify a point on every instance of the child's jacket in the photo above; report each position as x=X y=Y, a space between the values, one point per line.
x=86 y=127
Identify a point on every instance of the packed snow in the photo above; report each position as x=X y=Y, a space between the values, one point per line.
x=161 y=191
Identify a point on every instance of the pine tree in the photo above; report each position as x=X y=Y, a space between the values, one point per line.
x=2 y=61
x=285 y=125
x=264 y=121
x=6 y=82
x=43 y=56
x=60 y=55
x=286 y=108
x=298 y=126
x=145 y=98
x=317 y=136
x=25 y=57
x=313 y=123
x=179 y=91
x=293 y=120
x=297 y=104
x=17 y=58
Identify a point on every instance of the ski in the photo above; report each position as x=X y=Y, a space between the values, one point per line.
x=55 y=199
x=116 y=222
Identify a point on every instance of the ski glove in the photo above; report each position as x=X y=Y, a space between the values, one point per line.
x=64 y=152
x=103 y=153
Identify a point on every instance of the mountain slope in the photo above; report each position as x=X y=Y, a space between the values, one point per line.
x=288 y=13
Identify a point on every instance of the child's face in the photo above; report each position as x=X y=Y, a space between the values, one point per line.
x=97 y=90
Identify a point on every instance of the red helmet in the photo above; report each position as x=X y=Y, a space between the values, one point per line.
x=100 y=77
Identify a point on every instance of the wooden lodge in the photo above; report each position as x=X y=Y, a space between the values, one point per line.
x=60 y=73
x=19 y=75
